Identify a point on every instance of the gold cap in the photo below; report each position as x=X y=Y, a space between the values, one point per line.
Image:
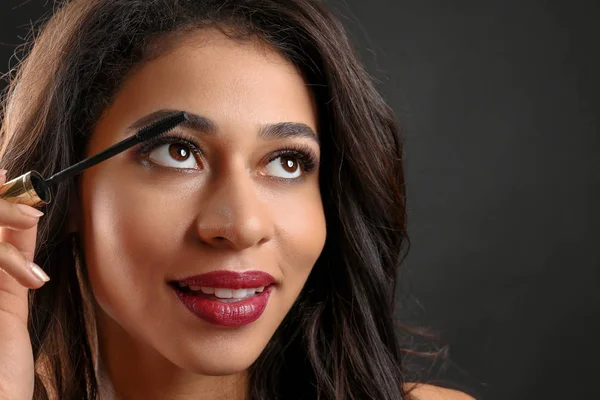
x=30 y=189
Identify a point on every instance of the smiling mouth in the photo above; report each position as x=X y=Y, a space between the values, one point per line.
x=230 y=307
x=225 y=295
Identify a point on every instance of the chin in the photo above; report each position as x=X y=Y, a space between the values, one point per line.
x=215 y=361
x=219 y=367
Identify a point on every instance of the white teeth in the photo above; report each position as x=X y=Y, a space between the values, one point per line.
x=225 y=293
x=240 y=293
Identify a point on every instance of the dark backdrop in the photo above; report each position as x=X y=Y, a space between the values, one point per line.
x=499 y=102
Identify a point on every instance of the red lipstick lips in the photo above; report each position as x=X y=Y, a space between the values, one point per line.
x=228 y=312
x=230 y=279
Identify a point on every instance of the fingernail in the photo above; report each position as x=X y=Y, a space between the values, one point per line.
x=29 y=211
x=38 y=272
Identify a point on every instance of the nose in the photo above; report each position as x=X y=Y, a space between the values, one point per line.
x=233 y=216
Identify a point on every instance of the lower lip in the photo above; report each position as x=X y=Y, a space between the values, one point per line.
x=235 y=314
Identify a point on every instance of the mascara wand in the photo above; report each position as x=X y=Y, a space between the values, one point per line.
x=32 y=189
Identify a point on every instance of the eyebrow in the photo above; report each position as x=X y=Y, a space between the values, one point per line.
x=203 y=125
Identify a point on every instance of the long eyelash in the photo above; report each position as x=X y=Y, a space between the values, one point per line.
x=144 y=148
x=303 y=153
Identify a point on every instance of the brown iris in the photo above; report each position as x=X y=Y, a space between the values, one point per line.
x=290 y=164
x=179 y=152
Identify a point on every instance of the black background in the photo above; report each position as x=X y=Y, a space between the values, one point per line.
x=499 y=100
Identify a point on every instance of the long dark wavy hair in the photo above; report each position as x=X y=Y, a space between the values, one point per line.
x=339 y=340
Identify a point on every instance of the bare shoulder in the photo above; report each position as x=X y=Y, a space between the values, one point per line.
x=418 y=391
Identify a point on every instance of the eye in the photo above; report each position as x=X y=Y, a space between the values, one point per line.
x=182 y=152
x=175 y=151
x=285 y=166
x=174 y=155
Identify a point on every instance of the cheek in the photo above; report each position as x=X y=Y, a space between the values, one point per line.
x=129 y=231
x=301 y=237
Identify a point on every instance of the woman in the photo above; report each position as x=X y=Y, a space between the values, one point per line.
x=251 y=254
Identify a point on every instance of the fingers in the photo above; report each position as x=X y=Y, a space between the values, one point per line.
x=18 y=234
x=15 y=264
x=17 y=216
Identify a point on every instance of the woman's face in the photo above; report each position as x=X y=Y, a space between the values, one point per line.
x=240 y=194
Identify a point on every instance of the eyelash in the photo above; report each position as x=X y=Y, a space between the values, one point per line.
x=304 y=154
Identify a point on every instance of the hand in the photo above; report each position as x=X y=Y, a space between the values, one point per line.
x=18 y=233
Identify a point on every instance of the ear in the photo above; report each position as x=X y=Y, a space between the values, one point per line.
x=73 y=213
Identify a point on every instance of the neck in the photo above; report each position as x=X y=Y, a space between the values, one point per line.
x=130 y=370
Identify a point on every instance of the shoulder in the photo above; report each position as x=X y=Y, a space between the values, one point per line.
x=418 y=391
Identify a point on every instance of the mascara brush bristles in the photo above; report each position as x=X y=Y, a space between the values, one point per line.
x=156 y=128
x=161 y=126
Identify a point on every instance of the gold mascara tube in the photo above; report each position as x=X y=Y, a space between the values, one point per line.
x=32 y=189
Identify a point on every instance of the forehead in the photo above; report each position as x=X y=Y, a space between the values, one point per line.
x=222 y=78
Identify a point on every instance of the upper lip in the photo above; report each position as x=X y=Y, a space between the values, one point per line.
x=229 y=279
